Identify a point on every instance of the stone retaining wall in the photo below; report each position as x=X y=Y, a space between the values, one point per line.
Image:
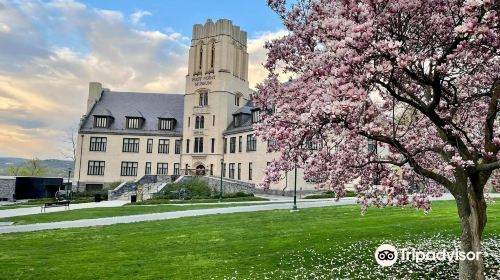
x=7 y=189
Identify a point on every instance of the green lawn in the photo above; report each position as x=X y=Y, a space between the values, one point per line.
x=92 y=213
x=273 y=244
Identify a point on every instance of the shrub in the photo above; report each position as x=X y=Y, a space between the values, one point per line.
x=193 y=188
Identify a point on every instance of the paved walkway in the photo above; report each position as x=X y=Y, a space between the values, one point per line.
x=186 y=213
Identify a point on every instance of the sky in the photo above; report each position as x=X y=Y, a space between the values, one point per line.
x=51 y=50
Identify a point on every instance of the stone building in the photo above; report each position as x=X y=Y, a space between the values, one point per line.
x=126 y=135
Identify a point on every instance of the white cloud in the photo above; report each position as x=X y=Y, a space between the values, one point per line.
x=258 y=55
x=44 y=85
x=136 y=17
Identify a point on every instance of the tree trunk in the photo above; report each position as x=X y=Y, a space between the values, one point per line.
x=472 y=211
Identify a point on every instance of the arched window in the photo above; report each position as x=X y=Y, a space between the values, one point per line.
x=200 y=122
x=203 y=99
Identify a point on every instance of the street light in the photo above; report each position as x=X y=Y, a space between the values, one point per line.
x=69 y=184
x=221 y=173
x=294 y=208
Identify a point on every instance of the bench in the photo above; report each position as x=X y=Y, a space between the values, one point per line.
x=64 y=203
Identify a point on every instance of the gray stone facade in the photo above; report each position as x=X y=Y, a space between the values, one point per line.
x=7 y=188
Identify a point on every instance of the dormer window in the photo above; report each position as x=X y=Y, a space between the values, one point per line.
x=166 y=124
x=237 y=120
x=102 y=121
x=134 y=122
x=256 y=116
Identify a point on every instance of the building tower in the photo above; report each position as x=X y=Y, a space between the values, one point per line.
x=216 y=87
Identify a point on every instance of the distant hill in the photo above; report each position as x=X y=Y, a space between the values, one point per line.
x=57 y=168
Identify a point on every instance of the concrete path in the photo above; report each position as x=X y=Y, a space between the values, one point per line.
x=23 y=211
x=187 y=213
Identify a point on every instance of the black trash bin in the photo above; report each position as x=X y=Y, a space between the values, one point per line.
x=97 y=197
x=133 y=198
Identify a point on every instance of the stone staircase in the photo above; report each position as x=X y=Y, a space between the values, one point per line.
x=145 y=187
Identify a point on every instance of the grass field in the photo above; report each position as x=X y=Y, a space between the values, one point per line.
x=323 y=242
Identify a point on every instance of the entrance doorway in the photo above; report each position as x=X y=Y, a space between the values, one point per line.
x=200 y=170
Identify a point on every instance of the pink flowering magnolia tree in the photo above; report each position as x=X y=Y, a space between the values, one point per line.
x=415 y=80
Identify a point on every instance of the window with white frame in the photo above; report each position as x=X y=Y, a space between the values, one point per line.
x=251 y=143
x=255 y=116
x=98 y=144
x=163 y=146
x=95 y=167
x=198 y=144
x=101 y=121
x=129 y=168
x=167 y=124
x=162 y=168
x=130 y=145
x=134 y=122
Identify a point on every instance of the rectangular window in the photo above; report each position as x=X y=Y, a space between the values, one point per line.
x=148 y=169
x=232 y=145
x=101 y=122
x=130 y=145
x=237 y=100
x=98 y=144
x=95 y=168
x=250 y=170
x=186 y=170
x=187 y=146
x=211 y=170
x=251 y=143
x=178 y=146
x=213 y=120
x=129 y=168
x=134 y=123
x=236 y=120
x=163 y=146
x=177 y=169
x=231 y=170
x=198 y=144
x=255 y=116
x=149 y=148
x=212 y=149
x=240 y=144
x=162 y=168
x=166 y=124
x=225 y=145
x=239 y=171
x=224 y=170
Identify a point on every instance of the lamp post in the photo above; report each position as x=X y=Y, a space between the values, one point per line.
x=294 y=208
x=221 y=173
x=68 y=186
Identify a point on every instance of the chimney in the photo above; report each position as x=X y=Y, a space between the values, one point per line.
x=95 y=93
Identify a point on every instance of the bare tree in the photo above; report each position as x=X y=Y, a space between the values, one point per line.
x=70 y=140
x=34 y=167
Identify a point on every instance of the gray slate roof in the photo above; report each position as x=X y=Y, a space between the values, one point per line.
x=150 y=106
x=246 y=120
